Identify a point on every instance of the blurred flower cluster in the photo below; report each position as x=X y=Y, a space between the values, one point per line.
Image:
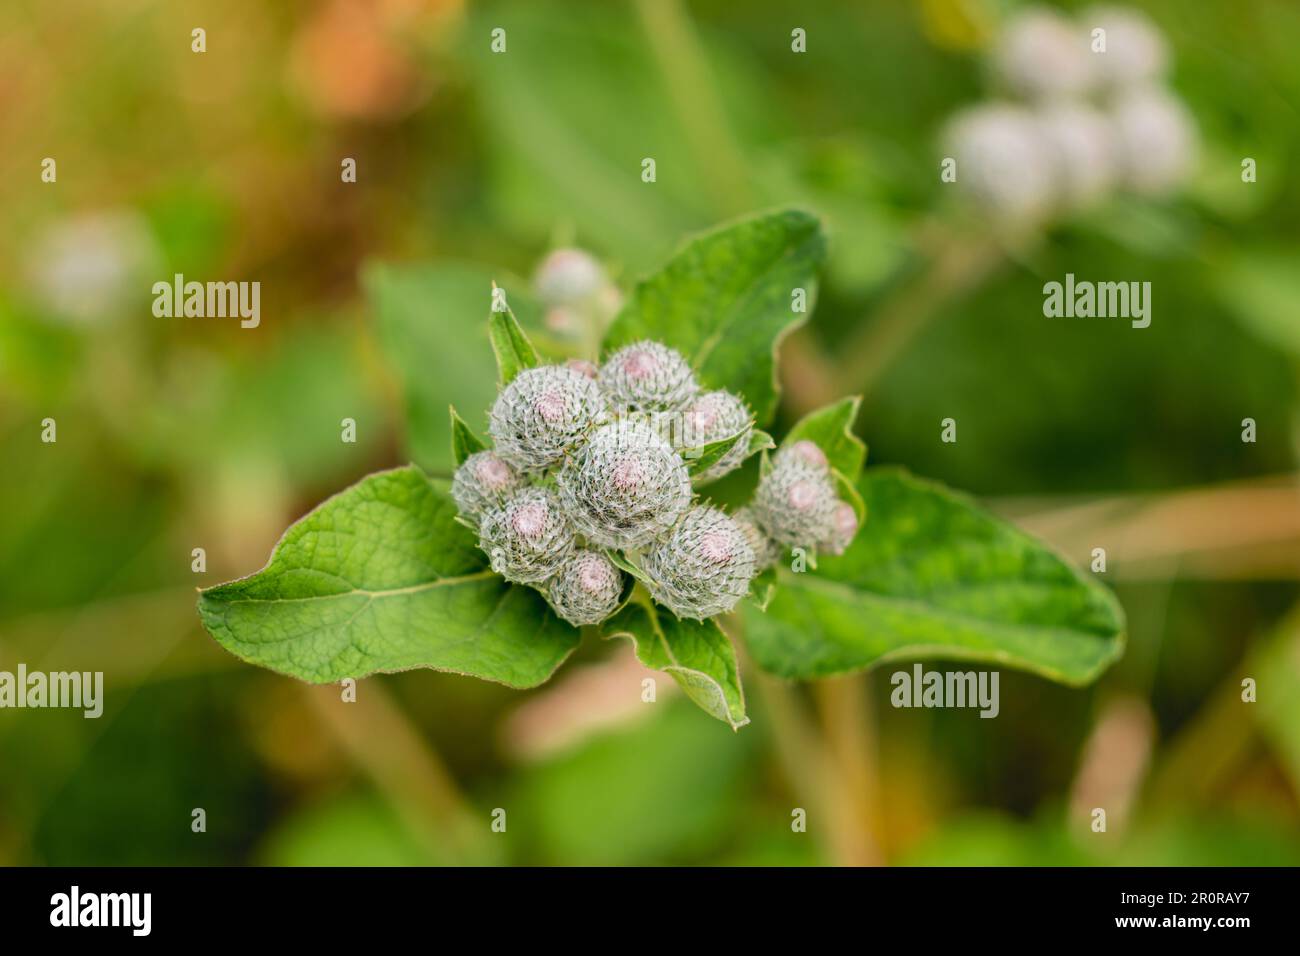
x=1083 y=111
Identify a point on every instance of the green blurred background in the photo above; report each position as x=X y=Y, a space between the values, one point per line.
x=182 y=433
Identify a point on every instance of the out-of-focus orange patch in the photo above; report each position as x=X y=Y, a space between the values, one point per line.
x=356 y=60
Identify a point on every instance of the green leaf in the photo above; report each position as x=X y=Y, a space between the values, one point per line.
x=725 y=301
x=463 y=441
x=831 y=429
x=933 y=576
x=704 y=457
x=381 y=577
x=513 y=350
x=762 y=588
x=697 y=655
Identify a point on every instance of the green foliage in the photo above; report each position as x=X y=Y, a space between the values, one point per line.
x=663 y=790
x=698 y=655
x=931 y=575
x=426 y=321
x=381 y=577
x=509 y=344
x=701 y=459
x=463 y=441
x=725 y=300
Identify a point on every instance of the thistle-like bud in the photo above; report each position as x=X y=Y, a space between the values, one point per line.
x=1081 y=141
x=568 y=277
x=805 y=452
x=542 y=414
x=484 y=480
x=528 y=539
x=587 y=588
x=795 y=503
x=712 y=417
x=1155 y=139
x=844 y=526
x=582 y=365
x=626 y=486
x=1003 y=163
x=1135 y=52
x=1043 y=55
x=648 y=377
x=766 y=551
x=703 y=567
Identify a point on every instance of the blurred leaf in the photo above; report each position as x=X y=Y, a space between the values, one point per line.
x=1275 y=666
x=931 y=575
x=571 y=111
x=381 y=577
x=352 y=831
x=428 y=319
x=666 y=790
x=696 y=653
x=984 y=839
x=724 y=301
x=1262 y=289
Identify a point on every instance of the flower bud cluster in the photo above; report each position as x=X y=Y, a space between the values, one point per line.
x=1088 y=114
x=589 y=460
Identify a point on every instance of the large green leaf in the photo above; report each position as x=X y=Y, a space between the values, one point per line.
x=382 y=578
x=932 y=575
x=697 y=655
x=725 y=301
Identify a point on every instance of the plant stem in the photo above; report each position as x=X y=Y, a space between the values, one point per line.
x=849 y=734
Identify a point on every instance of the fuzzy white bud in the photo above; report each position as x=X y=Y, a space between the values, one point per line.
x=712 y=417
x=1041 y=54
x=805 y=452
x=1155 y=138
x=587 y=588
x=528 y=538
x=648 y=377
x=626 y=486
x=795 y=503
x=1081 y=141
x=1004 y=165
x=844 y=527
x=766 y=551
x=1136 y=52
x=568 y=277
x=484 y=480
x=703 y=567
x=542 y=414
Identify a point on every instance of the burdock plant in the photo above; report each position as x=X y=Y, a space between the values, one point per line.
x=631 y=491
